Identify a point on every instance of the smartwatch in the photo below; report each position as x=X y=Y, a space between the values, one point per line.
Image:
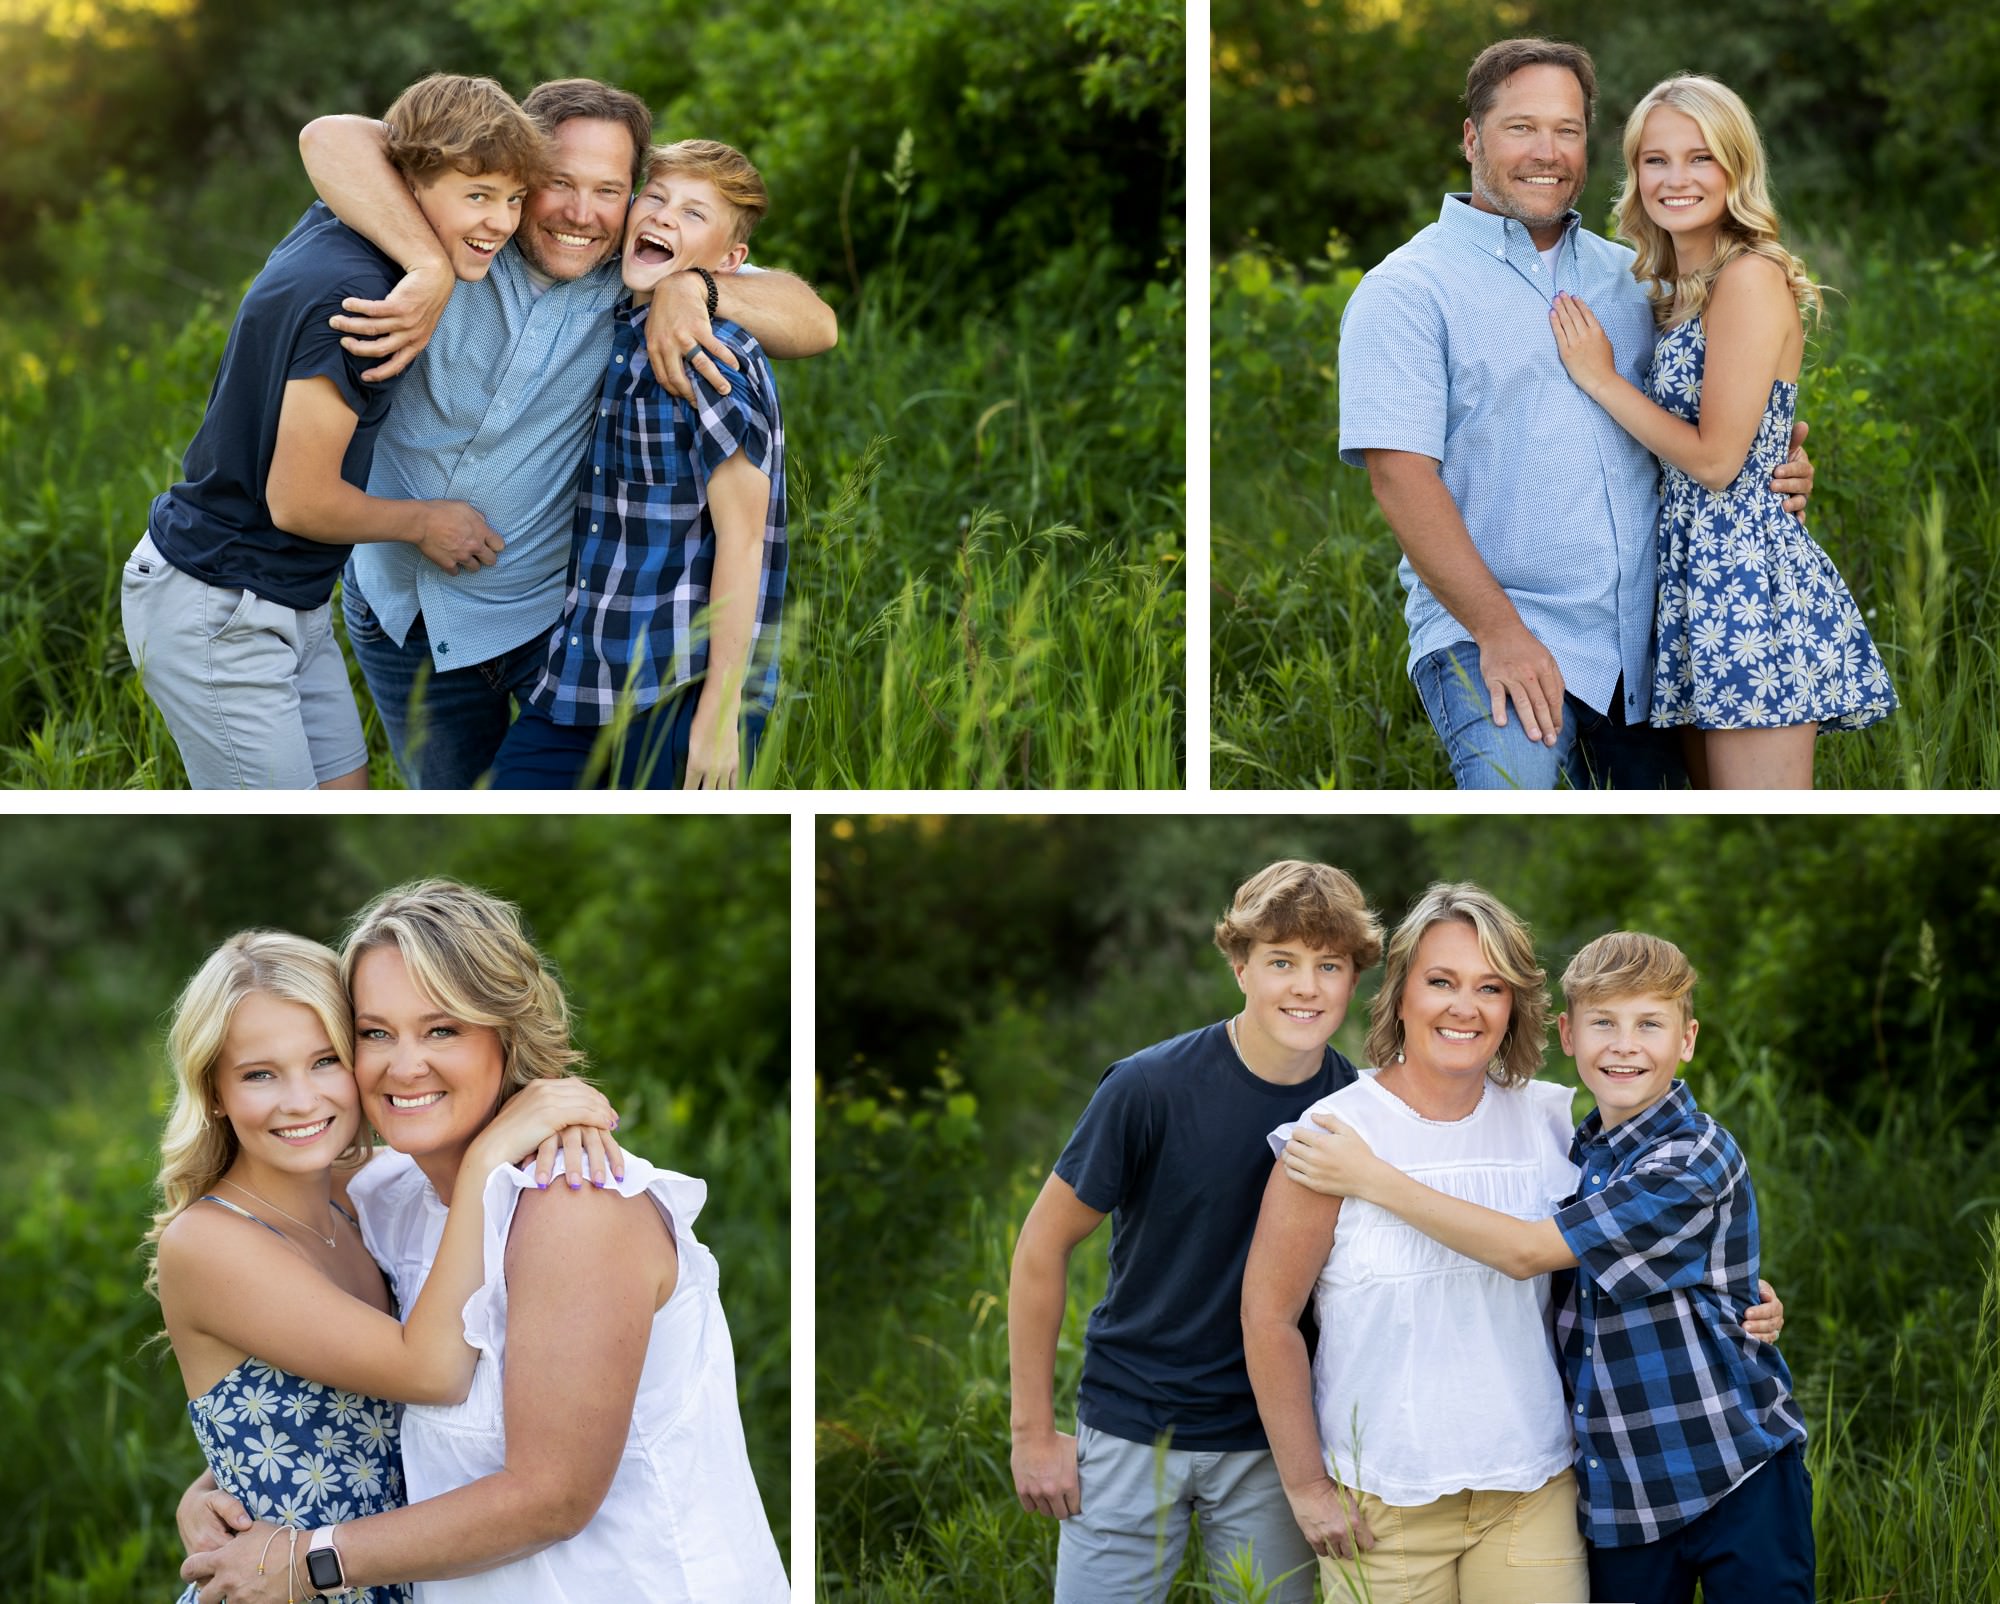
x=323 y=1568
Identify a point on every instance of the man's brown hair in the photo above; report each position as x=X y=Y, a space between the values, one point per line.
x=554 y=103
x=449 y=123
x=724 y=166
x=1494 y=65
x=1313 y=904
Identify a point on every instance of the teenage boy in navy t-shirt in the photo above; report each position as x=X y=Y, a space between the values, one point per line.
x=1172 y=1147
x=226 y=598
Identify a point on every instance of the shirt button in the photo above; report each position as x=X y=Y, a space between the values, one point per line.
x=593 y=529
x=1579 y=1408
x=597 y=470
x=1597 y=1180
x=443 y=647
x=621 y=359
x=1593 y=1464
x=1500 y=251
x=1586 y=1353
x=572 y=641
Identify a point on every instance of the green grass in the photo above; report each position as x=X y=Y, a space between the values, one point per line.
x=987 y=520
x=1883 y=1239
x=1309 y=645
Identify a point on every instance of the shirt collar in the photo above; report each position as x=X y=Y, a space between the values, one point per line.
x=1493 y=234
x=1663 y=1118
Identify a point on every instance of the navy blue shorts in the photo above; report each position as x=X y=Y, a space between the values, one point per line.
x=1754 y=1546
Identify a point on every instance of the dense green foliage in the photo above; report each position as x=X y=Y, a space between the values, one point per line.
x=1847 y=1005
x=987 y=504
x=667 y=932
x=1874 y=117
x=1901 y=394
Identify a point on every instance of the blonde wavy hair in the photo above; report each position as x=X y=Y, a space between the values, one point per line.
x=1505 y=942
x=1749 y=221
x=199 y=1144
x=469 y=953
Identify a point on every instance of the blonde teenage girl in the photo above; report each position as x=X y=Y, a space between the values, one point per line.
x=1759 y=645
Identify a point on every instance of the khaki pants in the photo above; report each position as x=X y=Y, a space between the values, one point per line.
x=1468 y=1548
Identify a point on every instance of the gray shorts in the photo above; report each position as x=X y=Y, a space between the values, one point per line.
x=1125 y=1544
x=255 y=692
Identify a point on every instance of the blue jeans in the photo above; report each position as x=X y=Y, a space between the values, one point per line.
x=542 y=755
x=1753 y=1546
x=444 y=728
x=1594 y=751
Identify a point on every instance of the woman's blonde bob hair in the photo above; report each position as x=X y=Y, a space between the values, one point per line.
x=199 y=1144
x=468 y=952
x=1506 y=944
x=1749 y=220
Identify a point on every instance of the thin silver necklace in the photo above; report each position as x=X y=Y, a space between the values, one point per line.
x=301 y=1224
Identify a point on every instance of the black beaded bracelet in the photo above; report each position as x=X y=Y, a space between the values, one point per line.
x=708 y=278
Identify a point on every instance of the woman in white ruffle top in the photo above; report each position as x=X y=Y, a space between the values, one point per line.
x=1426 y=1452
x=600 y=1453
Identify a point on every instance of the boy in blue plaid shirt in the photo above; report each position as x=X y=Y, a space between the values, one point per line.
x=677 y=566
x=1689 y=1445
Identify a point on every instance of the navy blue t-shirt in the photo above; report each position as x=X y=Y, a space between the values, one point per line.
x=214 y=524
x=1174 y=1147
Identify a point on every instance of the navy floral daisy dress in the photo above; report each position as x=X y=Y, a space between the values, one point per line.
x=299 y=1453
x=1755 y=628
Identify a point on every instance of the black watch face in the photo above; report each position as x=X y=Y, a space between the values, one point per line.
x=323 y=1568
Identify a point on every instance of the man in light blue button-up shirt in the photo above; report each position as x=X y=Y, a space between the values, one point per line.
x=1524 y=512
x=500 y=410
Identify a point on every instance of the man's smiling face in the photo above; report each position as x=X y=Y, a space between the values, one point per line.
x=577 y=219
x=1529 y=155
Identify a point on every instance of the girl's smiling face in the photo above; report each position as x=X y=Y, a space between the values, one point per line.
x=283 y=1088
x=429 y=1080
x=1681 y=184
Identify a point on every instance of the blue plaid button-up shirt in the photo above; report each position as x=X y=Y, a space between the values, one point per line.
x=1446 y=351
x=643 y=549
x=1673 y=1404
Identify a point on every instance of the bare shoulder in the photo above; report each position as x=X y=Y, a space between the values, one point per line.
x=565 y=1232
x=583 y=1219
x=206 y=1250
x=1751 y=283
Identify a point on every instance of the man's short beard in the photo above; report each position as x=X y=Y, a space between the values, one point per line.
x=1487 y=185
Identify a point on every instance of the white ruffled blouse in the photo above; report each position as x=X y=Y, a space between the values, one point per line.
x=1435 y=1374
x=682 y=1523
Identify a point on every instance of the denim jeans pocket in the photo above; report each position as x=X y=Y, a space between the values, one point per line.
x=363 y=626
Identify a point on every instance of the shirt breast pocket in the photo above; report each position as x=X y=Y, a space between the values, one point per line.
x=643 y=441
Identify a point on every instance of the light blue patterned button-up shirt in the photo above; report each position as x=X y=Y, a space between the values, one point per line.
x=1446 y=350
x=497 y=411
